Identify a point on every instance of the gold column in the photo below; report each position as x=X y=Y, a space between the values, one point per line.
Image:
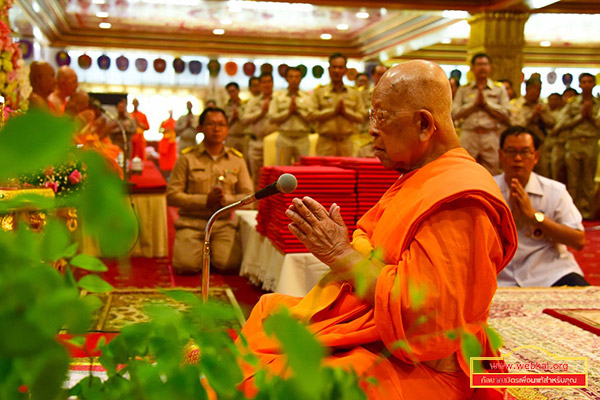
x=501 y=36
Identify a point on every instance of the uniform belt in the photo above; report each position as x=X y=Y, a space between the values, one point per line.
x=481 y=130
x=294 y=135
x=583 y=139
x=335 y=138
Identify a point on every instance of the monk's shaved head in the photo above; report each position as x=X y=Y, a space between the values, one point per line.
x=411 y=120
x=418 y=85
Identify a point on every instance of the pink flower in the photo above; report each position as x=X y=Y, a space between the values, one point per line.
x=75 y=177
x=52 y=185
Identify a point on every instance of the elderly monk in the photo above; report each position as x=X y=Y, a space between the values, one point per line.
x=66 y=86
x=442 y=230
x=42 y=80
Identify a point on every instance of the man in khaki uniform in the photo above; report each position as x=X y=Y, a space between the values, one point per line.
x=185 y=129
x=238 y=131
x=289 y=111
x=206 y=178
x=556 y=140
x=530 y=112
x=581 y=118
x=255 y=116
x=337 y=111
x=483 y=107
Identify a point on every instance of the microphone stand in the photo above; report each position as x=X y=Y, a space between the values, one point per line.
x=206 y=254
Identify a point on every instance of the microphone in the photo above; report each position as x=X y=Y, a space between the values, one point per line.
x=286 y=183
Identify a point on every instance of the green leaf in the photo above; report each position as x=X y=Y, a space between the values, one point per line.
x=402 y=345
x=70 y=251
x=55 y=240
x=471 y=347
x=181 y=296
x=94 y=284
x=77 y=341
x=303 y=352
x=89 y=263
x=33 y=141
x=417 y=295
x=494 y=337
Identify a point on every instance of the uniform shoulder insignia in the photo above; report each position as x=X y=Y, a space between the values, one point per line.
x=237 y=152
x=319 y=86
x=572 y=99
x=188 y=149
x=498 y=84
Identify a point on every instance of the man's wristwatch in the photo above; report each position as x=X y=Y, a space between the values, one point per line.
x=539 y=217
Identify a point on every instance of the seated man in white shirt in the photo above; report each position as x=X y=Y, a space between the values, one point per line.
x=546 y=218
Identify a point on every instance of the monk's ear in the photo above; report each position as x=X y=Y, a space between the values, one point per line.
x=426 y=125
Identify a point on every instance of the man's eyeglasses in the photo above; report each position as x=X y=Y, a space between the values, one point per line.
x=213 y=125
x=512 y=153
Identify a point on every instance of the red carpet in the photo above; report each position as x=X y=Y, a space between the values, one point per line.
x=589 y=257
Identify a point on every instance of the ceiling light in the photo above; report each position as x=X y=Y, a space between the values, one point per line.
x=219 y=31
x=226 y=21
x=102 y=14
x=533 y=4
x=105 y=25
x=99 y=1
x=35 y=6
x=342 y=27
x=383 y=56
x=326 y=36
x=362 y=14
x=383 y=11
x=545 y=43
x=37 y=33
x=446 y=40
x=454 y=14
x=238 y=5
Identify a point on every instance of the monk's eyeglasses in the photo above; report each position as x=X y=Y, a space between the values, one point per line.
x=512 y=153
x=379 y=116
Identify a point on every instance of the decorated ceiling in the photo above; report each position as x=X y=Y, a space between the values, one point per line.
x=360 y=29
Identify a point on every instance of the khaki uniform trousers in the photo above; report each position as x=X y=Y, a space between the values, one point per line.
x=483 y=147
x=581 y=161
x=188 y=249
x=543 y=166
x=290 y=147
x=255 y=158
x=340 y=146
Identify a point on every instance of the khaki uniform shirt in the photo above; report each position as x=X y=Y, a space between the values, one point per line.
x=186 y=131
x=279 y=112
x=571 y=119
x=196 y=173
x=496 y=98
x=237 y=128
x=327 y=123
x=522 y=112
x=263 y=126
x=366 y=93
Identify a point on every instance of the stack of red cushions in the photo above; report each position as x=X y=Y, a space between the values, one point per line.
x=325 y=184
x=372 y=181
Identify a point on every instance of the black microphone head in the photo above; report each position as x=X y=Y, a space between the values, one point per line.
x=286 y=183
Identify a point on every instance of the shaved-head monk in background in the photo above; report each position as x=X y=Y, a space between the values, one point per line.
x=442 y=230
x=42 y=80
x=66 y=86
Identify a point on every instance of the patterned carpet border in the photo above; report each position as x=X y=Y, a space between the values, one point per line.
x=125 y=306
x=517 y=314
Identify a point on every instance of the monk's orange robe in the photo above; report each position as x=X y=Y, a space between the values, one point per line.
x=444 y=228
x=167 y=147
x=138 y=142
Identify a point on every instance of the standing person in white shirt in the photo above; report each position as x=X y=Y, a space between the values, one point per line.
x=546 y=218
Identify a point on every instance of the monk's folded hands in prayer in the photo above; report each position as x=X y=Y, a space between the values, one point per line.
x=325 y=235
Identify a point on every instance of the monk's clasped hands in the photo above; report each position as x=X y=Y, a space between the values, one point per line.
x=323 y=232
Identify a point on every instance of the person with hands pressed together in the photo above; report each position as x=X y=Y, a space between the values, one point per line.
x=289 y=110
x=546 y=218
x=337 y=111
x=419 y=238
x=207 y=177
x=483 y=107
